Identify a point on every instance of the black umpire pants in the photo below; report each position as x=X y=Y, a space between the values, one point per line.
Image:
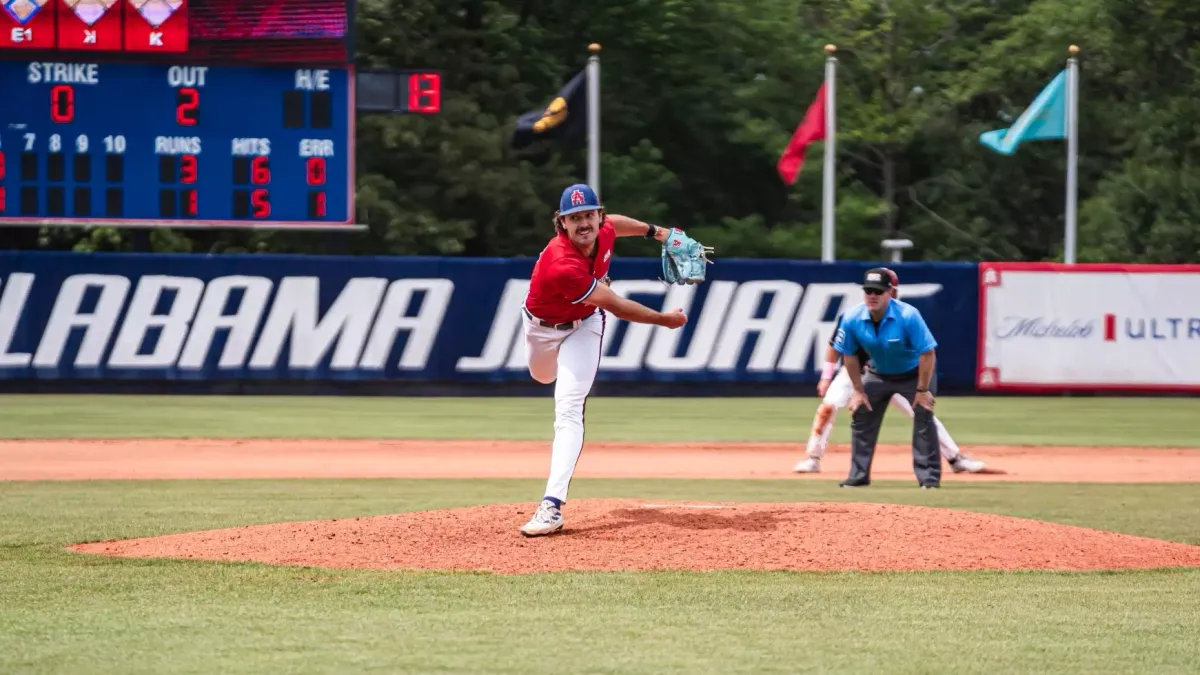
x=864 y=428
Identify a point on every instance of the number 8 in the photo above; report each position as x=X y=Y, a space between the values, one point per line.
x=55 y=143
x=81 y=144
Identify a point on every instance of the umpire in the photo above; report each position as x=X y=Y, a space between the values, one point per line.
x=901 y=350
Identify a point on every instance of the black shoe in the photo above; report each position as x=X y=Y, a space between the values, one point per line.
x=855 y=482
x=930 y=486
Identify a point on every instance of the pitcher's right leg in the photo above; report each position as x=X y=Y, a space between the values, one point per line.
x=578 y=362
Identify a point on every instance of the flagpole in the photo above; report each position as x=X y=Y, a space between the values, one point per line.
x=827 y=201
x=593 y=98
x=1072 y=152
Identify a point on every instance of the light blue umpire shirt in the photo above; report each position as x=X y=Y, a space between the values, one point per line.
x=895 y=344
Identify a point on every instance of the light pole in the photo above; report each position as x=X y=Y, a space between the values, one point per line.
x=896 y=246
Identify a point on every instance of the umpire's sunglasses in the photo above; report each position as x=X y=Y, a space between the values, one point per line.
x=873 y=291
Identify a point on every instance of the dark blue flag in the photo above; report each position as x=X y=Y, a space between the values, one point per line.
x=563 y=118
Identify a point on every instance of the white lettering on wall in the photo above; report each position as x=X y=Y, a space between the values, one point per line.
x=65 y=316
x=140 y=318
x=242 y=324
x=13 y=295
x=422 y=327
x=294 y=313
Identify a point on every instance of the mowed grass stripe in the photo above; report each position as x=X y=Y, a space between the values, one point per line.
x=1140 y=422
x=193 y=618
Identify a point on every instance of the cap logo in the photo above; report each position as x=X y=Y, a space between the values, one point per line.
x=874 y=277
x=577 y=198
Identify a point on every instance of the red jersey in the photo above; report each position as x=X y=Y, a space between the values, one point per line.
x=563 y=277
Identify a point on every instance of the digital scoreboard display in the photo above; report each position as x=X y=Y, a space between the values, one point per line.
x=184 y=113
x=220 y=145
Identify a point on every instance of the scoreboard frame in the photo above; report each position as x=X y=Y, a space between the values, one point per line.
x=344 y=136
x=347 y=140
x=280 y=51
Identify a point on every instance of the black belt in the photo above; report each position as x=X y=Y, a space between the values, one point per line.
x=556 y=326
x=894 y=377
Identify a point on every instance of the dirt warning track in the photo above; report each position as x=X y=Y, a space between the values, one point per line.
x=227 y=458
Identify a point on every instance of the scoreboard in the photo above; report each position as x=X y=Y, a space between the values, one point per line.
x=177 y=113
x=149 y=142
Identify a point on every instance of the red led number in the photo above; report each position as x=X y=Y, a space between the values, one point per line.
x=62 y=103
x=187 y=107
x=190 y=206
x=320 y=205
x=2 y=199
x=316 y=170
x=260 y=203
x=260 y=170
x=187 y=169
x=1 y=166
x=424 y=92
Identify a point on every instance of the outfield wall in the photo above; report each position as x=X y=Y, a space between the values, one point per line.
x=1048 y=328
x=327 y=324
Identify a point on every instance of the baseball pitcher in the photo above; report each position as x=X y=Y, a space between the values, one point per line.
x=564 y=321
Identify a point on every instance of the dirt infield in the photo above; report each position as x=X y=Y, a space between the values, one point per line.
x=209 y=458
x=612 y=535
x=623 y=534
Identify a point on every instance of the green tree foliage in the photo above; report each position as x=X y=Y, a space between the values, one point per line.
x=699 y=98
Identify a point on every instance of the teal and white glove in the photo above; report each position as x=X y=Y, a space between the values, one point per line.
x=684 y=258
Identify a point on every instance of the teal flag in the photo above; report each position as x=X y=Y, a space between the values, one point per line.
x=1045 y=118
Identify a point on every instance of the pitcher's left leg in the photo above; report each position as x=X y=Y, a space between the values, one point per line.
x=578 y=362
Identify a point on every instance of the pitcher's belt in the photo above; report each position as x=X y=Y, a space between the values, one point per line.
x=569 y=325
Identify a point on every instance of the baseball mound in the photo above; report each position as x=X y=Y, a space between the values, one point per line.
x=612 y=534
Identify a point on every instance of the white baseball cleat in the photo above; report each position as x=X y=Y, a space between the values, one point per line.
x=963 y=463
x=810 y=465
x=546 y=520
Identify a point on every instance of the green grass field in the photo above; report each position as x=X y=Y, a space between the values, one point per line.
x=62 y=612
x=1140 y=422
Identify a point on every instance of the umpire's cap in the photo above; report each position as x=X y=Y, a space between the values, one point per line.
x=578 y=197
x=879 y=278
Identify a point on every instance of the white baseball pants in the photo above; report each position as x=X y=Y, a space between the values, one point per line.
x=838 y=395
x=570 y=359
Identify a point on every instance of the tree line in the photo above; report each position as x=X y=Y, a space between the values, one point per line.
x=699 y=98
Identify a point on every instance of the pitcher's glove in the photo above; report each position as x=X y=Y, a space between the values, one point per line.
x=684 y=258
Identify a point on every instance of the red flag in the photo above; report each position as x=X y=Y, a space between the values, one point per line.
x=812 y=128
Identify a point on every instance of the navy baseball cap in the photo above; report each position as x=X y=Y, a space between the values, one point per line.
x=878 y=278
x=578 y=197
